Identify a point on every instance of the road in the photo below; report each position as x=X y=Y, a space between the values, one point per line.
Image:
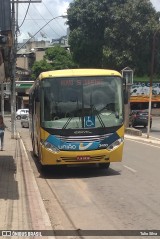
x=124 y=197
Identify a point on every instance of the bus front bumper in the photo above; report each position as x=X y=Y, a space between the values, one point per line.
x=81 y=157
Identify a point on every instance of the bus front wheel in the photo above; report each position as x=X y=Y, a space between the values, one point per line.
x=104 y=165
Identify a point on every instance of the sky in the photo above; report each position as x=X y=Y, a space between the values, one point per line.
x=40 y=14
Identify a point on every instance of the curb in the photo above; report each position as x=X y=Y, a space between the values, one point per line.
x=143 y=139
x=133 y=131
x=39 y=216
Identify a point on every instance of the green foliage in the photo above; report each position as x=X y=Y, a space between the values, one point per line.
x=55 y=58
x=131 y=36
x=40 y=66
x=113 y=34
x=59 y=58
x=86 y=20
x=145 y=78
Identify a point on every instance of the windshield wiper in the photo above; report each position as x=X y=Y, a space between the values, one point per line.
x=67 y=123
x=98 y=116
x=96 y=111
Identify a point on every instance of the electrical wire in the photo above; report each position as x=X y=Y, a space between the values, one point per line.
x=36 y=22
x=53 y=16
x=35 y=8
x=46 y=21
x=25 y=15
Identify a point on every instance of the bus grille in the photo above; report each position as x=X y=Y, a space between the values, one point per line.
x=82 y=139
x=92 y=159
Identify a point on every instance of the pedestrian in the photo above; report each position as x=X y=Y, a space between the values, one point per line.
x=2 y=128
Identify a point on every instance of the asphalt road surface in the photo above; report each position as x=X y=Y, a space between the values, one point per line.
x=124 y=197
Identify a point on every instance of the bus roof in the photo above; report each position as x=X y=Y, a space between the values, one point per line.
x=78 y=72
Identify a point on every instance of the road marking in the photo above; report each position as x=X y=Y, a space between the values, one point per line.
x=152 y=137
x=137 y=141
x=130 y=169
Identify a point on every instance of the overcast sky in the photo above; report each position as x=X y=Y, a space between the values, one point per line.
x=40 y=13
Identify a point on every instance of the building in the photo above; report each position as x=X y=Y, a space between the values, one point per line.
x=26 y=56
x=139 y=96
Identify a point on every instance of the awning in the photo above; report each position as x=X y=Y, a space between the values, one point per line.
x=23 y=85
x=139 y=99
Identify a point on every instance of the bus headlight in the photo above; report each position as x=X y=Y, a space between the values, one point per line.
x=115 y=144
x=50 y=147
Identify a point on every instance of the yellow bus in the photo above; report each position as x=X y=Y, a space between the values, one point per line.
x=77 y=117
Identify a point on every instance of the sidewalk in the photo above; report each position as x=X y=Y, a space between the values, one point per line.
x=21 y=205
x=143 y=138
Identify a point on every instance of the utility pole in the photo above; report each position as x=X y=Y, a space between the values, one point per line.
x=2 y=99
x=13 y=70
x=13 y=62
x=151 y=81
x=14 y=58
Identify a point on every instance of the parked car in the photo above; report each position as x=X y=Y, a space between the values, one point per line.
x=21 y=112
x=25 y=121
x=139 y=118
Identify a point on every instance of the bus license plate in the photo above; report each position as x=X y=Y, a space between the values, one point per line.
x=83 y=158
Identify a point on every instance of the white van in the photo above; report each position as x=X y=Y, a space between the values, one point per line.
x=21 y=112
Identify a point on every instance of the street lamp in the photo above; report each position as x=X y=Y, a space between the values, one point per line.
x=24 y=57
x=151 y=81
x=63 y=16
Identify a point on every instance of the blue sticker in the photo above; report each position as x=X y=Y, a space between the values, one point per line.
x=85 y=146
x=69 y=146
x=89 y=121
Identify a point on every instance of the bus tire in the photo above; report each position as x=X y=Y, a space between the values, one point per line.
x=104 y=165
x=44 y=168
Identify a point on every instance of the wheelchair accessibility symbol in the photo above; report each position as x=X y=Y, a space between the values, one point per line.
x=89 y=121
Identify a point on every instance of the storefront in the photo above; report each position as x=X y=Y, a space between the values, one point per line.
x=139 y=98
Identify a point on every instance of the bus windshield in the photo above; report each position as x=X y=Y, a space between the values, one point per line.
x=81 y=102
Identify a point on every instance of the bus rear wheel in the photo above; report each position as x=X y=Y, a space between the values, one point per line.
x=104 y=165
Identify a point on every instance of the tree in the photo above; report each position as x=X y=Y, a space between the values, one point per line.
x=130 y=40
x=112 y=34
x=87 y=21
x=59 y=58
x=55 y=58
x=40 y=66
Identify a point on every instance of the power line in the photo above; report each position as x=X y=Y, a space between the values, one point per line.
x=46 y=21
x=40 y=30
x=25 y=14
x=52 y=16
x=35 y=21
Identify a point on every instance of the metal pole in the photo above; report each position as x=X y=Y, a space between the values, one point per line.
x=13 y=71
x=127 y=107
x=151 y=82
x=2 y=98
